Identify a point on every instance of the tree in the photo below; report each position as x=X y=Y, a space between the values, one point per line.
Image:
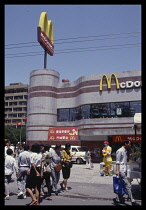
x=136 y=152
x=13 y=134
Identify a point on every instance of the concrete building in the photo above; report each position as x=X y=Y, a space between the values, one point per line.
x=100 y=106
x=15 y=103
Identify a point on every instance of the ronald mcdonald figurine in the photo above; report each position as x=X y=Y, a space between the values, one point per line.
x=107 y=159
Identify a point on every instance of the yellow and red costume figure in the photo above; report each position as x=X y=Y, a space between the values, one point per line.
x=107 y=159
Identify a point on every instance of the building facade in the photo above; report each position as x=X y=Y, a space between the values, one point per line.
x=15 y=103
x=100 y=106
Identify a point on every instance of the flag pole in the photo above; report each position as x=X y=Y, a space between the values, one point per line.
x=20 y=134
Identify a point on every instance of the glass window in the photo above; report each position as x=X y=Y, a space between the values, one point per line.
x=21 y=114
x=17 y=109
x=120 y=109
x=6 y=103
x=22 y=103
x=100 y=110
x=85 y=111
x=25 y=96
x=73 y=114
x=12 y=103
x=7 y=121
x=18 y=97
x=8 y=109
x=135 y=107
x=74 y=150
x=9 y=98
x=12 y=115
x=62 y=115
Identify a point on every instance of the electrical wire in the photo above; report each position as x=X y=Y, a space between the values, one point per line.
x=76 y=38
x=77 y=41
x=79 y=51
x=62 y=50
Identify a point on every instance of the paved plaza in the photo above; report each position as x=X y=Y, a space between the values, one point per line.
x=86 y=187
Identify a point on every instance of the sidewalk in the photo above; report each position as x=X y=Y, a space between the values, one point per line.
x=87 y=184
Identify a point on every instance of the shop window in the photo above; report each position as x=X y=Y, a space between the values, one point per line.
x=73 y=114
x=120 y=109
x=85 y=111
x=100 y=110
x=62 y=115
x=135 y=107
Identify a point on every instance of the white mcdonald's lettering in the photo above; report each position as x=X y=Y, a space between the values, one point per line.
x=133 y=138
x=130 y=84
x=46 y=41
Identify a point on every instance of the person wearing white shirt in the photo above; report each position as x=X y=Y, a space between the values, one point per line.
x=121 y=170
x=8 y=146
x=34 y=179
x=23 y=165
x=10 y=165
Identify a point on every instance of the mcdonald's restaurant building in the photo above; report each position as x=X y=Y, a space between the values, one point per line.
x=93 y=109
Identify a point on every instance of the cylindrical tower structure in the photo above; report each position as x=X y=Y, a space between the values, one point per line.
x=42 y=105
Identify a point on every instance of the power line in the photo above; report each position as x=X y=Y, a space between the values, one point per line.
x=62 y=50
x=76 y=41
x=79 y=51
x=76 y=38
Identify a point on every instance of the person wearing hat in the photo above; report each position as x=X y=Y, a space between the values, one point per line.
x=107 y=159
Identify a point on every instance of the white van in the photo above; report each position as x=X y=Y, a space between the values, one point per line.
x=78 y=153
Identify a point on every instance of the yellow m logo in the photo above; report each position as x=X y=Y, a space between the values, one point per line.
x=46 y=26
x=109 y=81
x=118 y=139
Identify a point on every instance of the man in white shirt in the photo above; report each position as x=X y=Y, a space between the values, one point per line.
x=23 y=165
x=8 y=146
x=121 y=170
x=10 y=165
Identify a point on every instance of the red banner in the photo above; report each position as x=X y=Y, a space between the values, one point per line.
x=63 y=134
x=19 y=123
x=120 y=138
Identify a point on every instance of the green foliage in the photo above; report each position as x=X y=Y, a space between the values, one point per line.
x=13 y=134
x=136 y=152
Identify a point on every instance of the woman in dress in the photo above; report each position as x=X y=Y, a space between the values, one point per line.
x=34 y=179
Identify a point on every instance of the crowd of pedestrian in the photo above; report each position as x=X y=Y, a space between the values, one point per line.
x=43 y=163
x=35 y=166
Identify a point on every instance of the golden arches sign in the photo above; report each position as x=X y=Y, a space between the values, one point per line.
x=109 y=80
x=46 y=33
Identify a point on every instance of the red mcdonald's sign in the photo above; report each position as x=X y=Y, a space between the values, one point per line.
x=63 y=134
x=120 y=138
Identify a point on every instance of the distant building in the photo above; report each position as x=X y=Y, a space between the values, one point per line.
x=15 y=103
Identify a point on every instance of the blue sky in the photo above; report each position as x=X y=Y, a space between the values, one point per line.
x=103 y=26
